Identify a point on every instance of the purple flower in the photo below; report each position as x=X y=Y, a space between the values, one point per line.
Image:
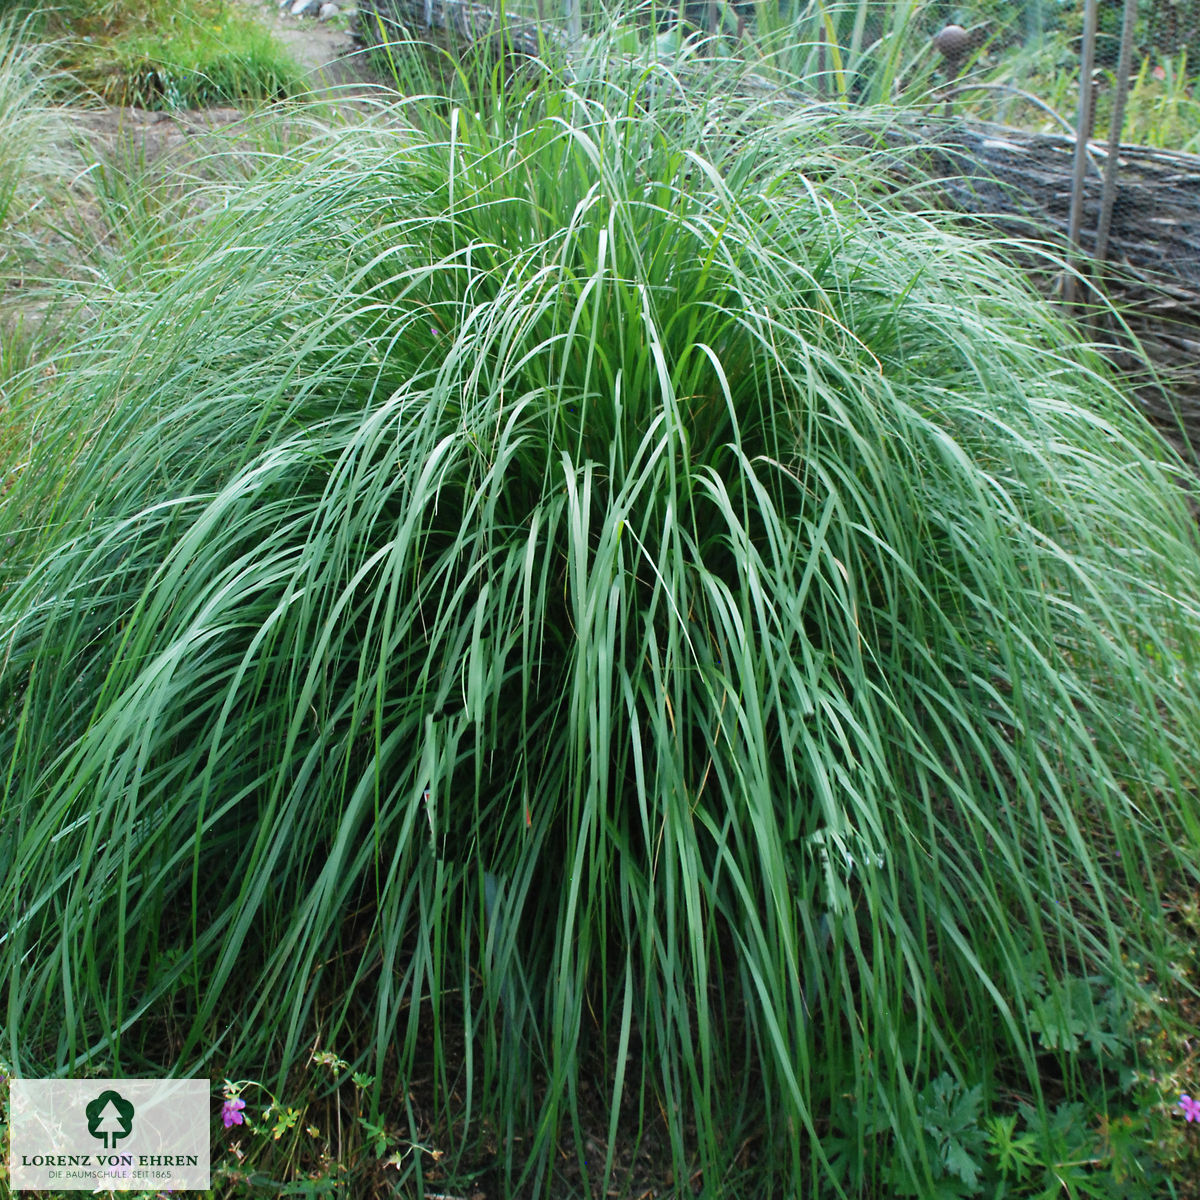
x=231 y=1112
x=1191 y=1108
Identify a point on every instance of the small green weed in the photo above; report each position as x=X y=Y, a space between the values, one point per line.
x=1008 y=1146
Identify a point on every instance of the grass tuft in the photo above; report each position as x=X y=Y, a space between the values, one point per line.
x=169 y=54
x=584 y=604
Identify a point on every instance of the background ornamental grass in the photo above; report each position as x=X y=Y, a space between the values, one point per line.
x=594 y=601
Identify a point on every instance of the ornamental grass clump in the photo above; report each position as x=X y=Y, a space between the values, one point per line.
x=31 y=158
x=587 y=606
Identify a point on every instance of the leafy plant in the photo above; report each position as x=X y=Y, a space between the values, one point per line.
x=1015 y=1153
x=1082 y=1011
x=953 y=1141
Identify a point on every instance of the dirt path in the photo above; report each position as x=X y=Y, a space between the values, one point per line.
x=325 y=49
x=168 y=152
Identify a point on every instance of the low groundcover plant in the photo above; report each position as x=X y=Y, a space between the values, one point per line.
x=587 y=601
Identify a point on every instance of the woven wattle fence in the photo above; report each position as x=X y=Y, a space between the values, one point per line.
x=1020 y=182
x=460 y=23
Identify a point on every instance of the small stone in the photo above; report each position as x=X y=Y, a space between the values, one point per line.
x=304 y=8
x=328 y=10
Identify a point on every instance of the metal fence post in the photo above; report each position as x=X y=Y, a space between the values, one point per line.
x=1108 y=195
x=1087 y=62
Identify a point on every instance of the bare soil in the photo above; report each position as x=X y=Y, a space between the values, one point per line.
x=165 y=150
x=325 y=49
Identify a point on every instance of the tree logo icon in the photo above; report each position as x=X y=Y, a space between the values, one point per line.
x=109 y=1117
